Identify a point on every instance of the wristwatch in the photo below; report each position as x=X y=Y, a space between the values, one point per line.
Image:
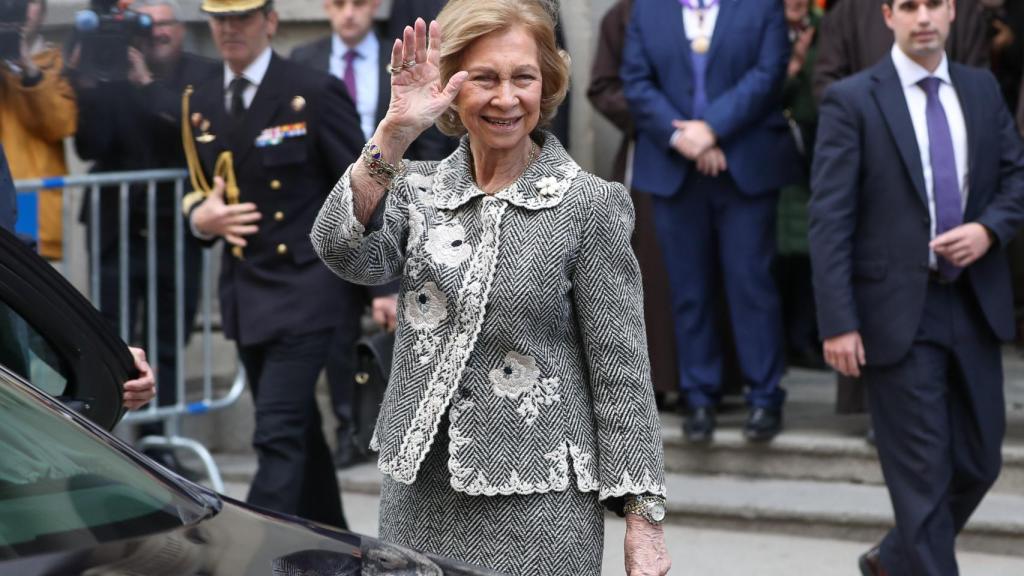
x=648 y=507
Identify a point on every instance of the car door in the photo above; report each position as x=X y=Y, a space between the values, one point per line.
x=54 y=338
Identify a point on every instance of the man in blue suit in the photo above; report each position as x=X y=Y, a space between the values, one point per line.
x=918 y=186
x=704 y=83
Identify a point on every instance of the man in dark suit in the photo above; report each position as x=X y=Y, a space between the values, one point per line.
x=918 y=186
x=292 y=132
x=713 y=149
x=356 y=55
x=135 y=124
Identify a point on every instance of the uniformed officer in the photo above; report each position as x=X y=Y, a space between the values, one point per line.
x=291 y=132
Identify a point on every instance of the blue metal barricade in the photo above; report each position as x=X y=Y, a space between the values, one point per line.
x=190 y=399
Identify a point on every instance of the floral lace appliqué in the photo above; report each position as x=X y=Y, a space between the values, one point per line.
x=447 y=245
x=417 y=225
x=426 y=308
x=519 y=378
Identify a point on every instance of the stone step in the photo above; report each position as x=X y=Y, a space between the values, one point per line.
x=804 y=454
x=824 y=509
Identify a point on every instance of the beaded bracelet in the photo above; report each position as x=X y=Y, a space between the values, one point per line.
x=379 y=168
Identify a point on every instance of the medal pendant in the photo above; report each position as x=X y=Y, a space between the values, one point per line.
x=700 y=44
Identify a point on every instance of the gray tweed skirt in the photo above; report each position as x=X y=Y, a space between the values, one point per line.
x=550 y=534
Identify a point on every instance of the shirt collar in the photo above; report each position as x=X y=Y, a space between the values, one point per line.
x=254 y=72
x=365 y=49
x=542 y=185
x=910 y=72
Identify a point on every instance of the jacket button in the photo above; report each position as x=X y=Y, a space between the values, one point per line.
x=275 y=184
x=282 y=249
x=278 y=216
x=465 y=392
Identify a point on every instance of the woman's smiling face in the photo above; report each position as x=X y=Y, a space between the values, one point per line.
x=499 y=104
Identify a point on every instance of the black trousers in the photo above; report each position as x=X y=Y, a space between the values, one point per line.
x=939 y=418
x=295 y=473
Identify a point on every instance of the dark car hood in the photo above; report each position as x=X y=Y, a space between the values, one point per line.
x=241 y=540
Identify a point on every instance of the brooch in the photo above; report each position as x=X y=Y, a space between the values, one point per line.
x=548 y=186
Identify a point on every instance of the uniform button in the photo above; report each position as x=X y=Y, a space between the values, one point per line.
x=275 y=184
x=282 y=249
x=278 y=216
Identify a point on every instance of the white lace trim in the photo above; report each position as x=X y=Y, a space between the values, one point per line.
x=469 y=318
x=627 y=485
x=468 y=480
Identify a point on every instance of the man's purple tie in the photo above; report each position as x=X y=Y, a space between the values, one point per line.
x=350 y=74
x=946 y=186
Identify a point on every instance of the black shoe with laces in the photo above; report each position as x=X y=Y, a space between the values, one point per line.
x=699 y=426
x=763 y=424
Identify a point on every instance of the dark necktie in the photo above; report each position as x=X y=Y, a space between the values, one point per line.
x=945 y=184
x=237 y=89
x=350 y=74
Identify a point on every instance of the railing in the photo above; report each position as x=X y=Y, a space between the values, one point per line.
x=187 y=401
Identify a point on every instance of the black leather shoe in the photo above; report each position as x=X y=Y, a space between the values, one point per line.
x=699 y=426
x=346 y=454
x=763 y=424
x=870 y=563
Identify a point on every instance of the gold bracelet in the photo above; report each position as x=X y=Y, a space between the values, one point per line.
x=379 y=169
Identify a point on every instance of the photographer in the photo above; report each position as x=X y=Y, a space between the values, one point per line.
x=134 y=124
x=37 y=111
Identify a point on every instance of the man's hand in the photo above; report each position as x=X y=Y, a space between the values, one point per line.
x=139 y=392
x=138 y=70
x=845 y=353
x=963 y=245
x=695 y=138
x=712 y=163
x=645 y=550
x=215 y=218
x=385 y=311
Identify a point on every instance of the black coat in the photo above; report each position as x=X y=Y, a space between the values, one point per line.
x=279 y=287
x=125 y=127
x=431 y=145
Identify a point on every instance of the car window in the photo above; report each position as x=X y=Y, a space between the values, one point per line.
x=62 y=486
x=26 y=353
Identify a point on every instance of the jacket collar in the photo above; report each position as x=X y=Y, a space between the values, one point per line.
x=542 y=185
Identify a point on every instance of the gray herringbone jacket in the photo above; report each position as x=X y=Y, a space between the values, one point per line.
x=520 y=311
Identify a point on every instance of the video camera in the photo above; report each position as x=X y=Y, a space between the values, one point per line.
x=13 y=14
x=104 y=33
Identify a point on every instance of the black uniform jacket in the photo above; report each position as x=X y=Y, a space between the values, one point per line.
x=294 y=141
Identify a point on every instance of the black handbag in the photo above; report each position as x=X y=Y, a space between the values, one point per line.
x=373 y=367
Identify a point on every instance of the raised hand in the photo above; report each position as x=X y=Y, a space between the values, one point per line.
x=417 y=97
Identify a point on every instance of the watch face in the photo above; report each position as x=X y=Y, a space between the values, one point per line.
x=657 y=512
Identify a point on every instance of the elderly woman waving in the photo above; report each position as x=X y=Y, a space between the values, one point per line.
x=520 y=398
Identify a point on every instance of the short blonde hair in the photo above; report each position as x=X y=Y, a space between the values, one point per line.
x=465 y=21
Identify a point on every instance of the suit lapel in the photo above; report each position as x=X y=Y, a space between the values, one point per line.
x=209 y=100
x=669 y=23
x=727 y=10
x=893 y=105
x=383 y=83
x=965 y=92
x=266 y=102
x=323 y=57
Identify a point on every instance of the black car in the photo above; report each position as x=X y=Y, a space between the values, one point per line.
x=74 y=499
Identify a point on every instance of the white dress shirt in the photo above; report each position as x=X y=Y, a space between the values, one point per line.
x=367 y=71
x=692 y=24
x=910 y=73
x=254 y=73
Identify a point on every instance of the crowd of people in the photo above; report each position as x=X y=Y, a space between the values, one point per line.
x=800 y=172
